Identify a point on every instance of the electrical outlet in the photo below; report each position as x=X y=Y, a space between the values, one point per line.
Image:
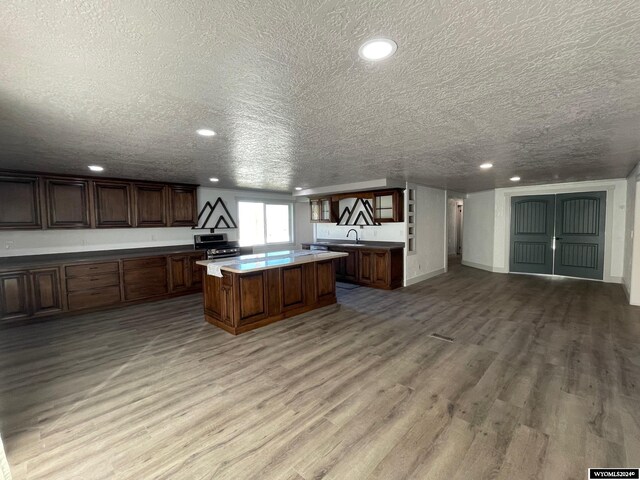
x=154 y=237
x=8 y=244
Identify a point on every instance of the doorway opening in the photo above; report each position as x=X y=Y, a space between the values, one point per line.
x=560 y=234
x=455 y=216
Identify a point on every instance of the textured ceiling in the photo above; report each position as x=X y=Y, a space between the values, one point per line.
x=546 y=89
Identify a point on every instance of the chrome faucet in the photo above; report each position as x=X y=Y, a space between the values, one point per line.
x=356 y=232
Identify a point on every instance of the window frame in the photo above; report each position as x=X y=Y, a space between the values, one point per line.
x=265 y=202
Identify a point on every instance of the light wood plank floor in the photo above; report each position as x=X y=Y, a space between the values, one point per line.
x=542 y=381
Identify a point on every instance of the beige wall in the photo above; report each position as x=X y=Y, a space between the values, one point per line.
x=631 y=276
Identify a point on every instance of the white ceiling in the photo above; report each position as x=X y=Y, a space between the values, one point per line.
x=546 y=89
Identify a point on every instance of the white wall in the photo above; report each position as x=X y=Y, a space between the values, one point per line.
x=36 y=242
x=486 y=243
x=631 y=273
x=430 y=258
x=387 y=232
x=479 y=223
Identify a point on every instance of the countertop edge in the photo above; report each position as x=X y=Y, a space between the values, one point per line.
x=295 y=261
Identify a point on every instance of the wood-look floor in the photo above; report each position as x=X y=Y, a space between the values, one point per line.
x=542 y=381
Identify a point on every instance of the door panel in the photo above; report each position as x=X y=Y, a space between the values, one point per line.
x=112 y=204
x=580 y=221
x=532 y=223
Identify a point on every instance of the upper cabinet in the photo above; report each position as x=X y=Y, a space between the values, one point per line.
x=56 y=201
x=112 y=204
x=376 y=206
x=183 y=206
x=388 y=206
x=68 y=203
x=151 y=205
x=20 y=200
x=323 y=210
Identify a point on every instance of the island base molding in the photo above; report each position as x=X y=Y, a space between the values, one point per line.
x=240 y=302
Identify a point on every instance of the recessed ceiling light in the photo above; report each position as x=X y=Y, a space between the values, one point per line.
x=214 y=179
x=205 y=132
x=96 y=168
x=515 y=179
x=486 y=166
x=377 y=49
x=298 y=188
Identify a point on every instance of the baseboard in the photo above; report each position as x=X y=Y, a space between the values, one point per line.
x=423 y=277
x=488 y=268
x=610 y=279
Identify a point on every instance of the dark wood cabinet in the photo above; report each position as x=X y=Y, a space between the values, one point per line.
x=112 y=204
x=239 y=302
x=196 y=270
x=46 y=294
x=56 y=201
x=369 y=266
x=388 y=206
x=93 y=285
x=30 y=293
x=183 y=206
x=346 y=267
x=46 y=290
x=14 y=295
x=184 y=273
x=20 y=201
x=324 y=210
x=68 y=203
x=145 y=277
x=365 y=267
x=179 y=273
x=151 y=205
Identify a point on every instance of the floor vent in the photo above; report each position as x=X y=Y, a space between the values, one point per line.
x=441 y=337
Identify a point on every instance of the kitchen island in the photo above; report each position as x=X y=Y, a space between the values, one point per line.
x=251 y=291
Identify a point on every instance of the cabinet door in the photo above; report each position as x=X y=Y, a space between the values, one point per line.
x=113 y=204
x=325 y=209
x=380 y=272
x=67 y=203
x=315 y=210
x=183 y=209
x=14 y=295
x=45 y=288
x=388 y=206
x=196 y=271
x=20 y=200
x=179 y=273
x=326 y=279
x=365 y=267
x=151 y=205
x=351 y=266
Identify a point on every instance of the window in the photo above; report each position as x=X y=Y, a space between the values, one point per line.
x=264 y=223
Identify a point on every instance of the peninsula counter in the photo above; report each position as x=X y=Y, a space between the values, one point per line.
x=251 y=291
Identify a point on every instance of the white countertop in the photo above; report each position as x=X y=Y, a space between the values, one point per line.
x=265 y=261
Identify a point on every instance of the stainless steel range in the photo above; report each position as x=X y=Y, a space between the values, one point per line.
x=217 y=246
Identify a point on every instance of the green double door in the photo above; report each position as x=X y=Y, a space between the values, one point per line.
x=558 y=234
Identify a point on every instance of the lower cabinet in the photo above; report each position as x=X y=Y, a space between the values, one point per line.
x=46 y=294
x=93 y=285
x=30 y=293
x=369 y=266
x=145 y=277
x=239 y=302
x=14 y=295
x=184 y=273
x=35 y=292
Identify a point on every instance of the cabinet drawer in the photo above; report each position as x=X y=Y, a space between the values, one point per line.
x=91 y=269
x=134 y=292
x=144 y=263
x=94 y=298
x=79 y=284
